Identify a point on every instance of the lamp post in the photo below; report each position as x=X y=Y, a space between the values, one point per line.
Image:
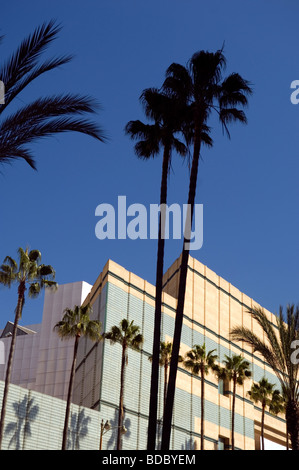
x=105 y=427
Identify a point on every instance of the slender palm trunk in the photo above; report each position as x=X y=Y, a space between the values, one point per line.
x=153 y=407
x=233 y=413
x=181 y=301
x=202 y=418
x=69 y=396
x=263 y=426
x=121 y=397
x=292 y=418
x=18 y=314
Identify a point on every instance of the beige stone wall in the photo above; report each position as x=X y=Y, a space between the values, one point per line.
x=212 y=307
x=218 y=306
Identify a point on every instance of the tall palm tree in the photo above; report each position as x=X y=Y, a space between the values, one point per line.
x=166 y=115
x=236 y=369
x=202 y=86
x=27 y=274
x=128 y=336
x=262 y=392
x=164 y=361
x=277 y=350
x=76 y=323
x=44 y=116
x=200 y=362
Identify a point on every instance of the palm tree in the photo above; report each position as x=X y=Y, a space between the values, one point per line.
x=29 y=274
x=262 y=392
x=166 y=113
x=164 y=361
x=75 y=324
x=278 y=405
x=200 y=362
x=277 y=350
x=128 y=336
x=236 y=369
x=202 y=86
x=44 y=116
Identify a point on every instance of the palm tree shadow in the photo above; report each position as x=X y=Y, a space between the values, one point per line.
x=190 y=444
x=159 y=432
x=111 y=444
x=26 y=412
x=78 y=429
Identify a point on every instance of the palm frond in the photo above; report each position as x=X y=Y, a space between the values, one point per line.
x=34 y=290
x=27 y=55
x=178 y=82
x=229 y=115
x=35 y=255
x=15 y=146
x=11 y=262
x=206 y=68
x=45 y=116
x=43 y=109
x=47 y=66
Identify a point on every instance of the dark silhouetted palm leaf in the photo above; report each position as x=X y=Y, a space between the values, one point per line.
x=45 y=116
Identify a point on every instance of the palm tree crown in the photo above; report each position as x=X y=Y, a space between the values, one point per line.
x=198 y=360
x=262 y=392
x=235 y=369
x=76 y=322
x=44 y=116
x=27 y=272
x=127 y=334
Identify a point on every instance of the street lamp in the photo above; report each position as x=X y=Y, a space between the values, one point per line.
x=106 y=427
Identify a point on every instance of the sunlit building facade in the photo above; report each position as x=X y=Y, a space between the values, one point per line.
x=42 y=363
x=212 y=307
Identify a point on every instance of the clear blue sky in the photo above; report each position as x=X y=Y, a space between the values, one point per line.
x=248 y=185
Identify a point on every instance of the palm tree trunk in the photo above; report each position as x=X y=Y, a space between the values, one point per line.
x=69 y=396
x=202 y=418
x=292 y=418
x=181 y=301
x=233 y=414
x=263 y=426
x=153 y=407
x=18 y=314
x=121 y=397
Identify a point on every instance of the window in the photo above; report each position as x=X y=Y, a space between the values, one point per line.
x=223 y=443
x=223 y=387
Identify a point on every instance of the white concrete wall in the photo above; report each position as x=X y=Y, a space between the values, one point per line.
x=42 y=361
x=25 y=358
x=55 y=355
